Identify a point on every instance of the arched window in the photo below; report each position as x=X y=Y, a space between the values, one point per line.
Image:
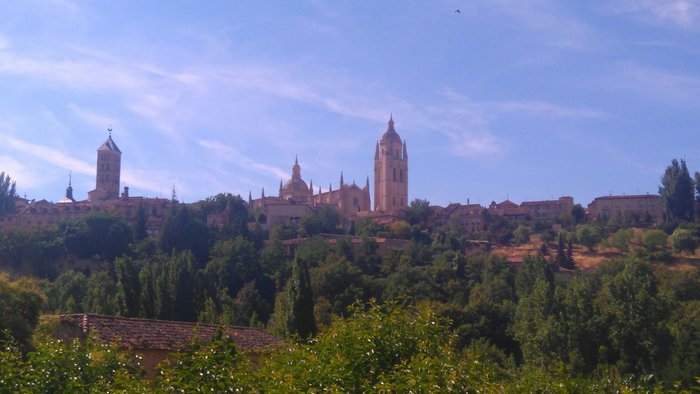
x=394 y=174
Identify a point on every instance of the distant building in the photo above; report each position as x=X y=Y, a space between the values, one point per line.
x=104 y=198
x=468 y=218
x=550 y=210
x=627 y=209
x=296 y=198
x=390 y=172
x=109 y=161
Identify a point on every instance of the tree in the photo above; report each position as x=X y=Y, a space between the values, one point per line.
x=621 y=239
x=21 y=301
x=521 y=235
x=578 y=213
x=182 y=230
x=684 y=241
x=300 y=320
x=129 y=287
x=418 y=212
x=589 y=235
x=7 y=193
x=654 y=240
x=676 y=191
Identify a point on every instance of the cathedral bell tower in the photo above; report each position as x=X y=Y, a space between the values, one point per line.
x=390 y=172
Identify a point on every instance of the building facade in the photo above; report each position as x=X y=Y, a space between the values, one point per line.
x=627 y=209
x=109 y=161
x=390 y=172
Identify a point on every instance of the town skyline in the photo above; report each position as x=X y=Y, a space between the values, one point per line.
x=505 y=100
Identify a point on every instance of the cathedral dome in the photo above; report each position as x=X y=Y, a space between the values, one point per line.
x=295 y=188
x=391 y=134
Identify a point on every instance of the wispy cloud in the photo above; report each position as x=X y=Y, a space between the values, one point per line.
x=684 y=14
x=554 y=25
x=49 y=155
x=540 y=108
x=232 y=155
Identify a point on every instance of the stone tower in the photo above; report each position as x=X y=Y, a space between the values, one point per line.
x=109 y=159
x=390 y=172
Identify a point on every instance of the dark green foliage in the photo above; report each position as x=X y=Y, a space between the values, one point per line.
x=7 y=193
x=21 y=301
x=634 y=312
x=677 y=193
x=300 y=320
x=579 y=214
x=499 y=229
x=129 y=287
x=35 y=251
x=235 y=211
x=183 y=230
x=67 y=292
x=323 y=220
x=140 y=230
x=96 y=234
x=418 y=212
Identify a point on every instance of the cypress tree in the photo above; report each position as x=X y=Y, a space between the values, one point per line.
x=300 y=320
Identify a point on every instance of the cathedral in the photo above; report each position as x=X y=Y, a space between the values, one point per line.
x=296 y=198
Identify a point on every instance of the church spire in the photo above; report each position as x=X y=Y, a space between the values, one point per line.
x=391 y=123
x=376 y=151
x=341 y=180
x=280 y=192
x=296 y=169
x=263 y=193
x=405 y=152
x=250 y=197
x=367 y=183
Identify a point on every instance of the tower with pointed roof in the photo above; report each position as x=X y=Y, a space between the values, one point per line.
x=109 y=161
x=390 y=172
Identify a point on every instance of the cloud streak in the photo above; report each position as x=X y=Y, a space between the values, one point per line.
x=231 y=155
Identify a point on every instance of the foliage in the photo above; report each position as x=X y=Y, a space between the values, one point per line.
x=418 y=212
x=99 y=234
x=521 y=235
x=677 y=192
x=621 y=239
x=216 y=367
x=589 y=235
x=21 y=301
x=183 y=230
x=386 y=348
x=7 y=193
x=57 y=366
x=323 y=220
x=578 y=213
x=300 y=320
x=684 y=240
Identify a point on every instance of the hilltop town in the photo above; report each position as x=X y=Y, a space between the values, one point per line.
x=296 y=198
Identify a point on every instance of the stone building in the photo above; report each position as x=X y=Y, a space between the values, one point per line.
x=627 y=209
x=468 y=218
x=104 y=198
x=390 y=172
x=109 y=160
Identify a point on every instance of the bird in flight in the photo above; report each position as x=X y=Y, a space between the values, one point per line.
x=458 y=12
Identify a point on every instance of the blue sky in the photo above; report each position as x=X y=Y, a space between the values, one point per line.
x=507 y=98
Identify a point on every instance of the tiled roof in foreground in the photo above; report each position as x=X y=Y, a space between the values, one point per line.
x=134 y=333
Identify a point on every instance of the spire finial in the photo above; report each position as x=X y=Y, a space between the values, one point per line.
x=70 y=178
x=296 y=160
x=110 y=131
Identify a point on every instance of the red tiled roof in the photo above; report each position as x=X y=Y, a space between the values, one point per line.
x=134 y=333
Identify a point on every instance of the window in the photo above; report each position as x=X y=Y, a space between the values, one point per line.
x=394 y=201
x=394 y=174
x=401 y=175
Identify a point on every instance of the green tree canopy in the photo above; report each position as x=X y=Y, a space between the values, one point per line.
x=7 y=193
x=677 y=192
